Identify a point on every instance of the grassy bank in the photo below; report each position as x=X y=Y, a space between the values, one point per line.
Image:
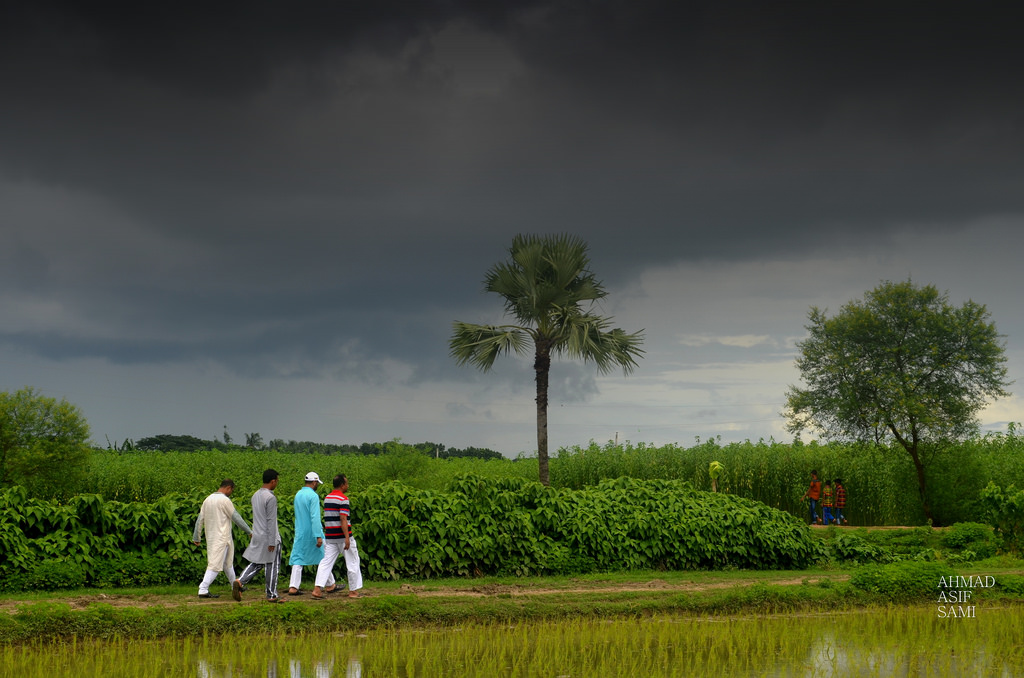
x=176 y=611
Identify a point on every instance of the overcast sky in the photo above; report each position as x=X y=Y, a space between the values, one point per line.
x=266 y=216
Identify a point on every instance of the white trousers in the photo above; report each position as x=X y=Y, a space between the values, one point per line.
x=324 y=574
x=296 y=578
x=211 y=575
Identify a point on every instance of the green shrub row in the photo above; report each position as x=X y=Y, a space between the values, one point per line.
x=902 y=581
x=519 y=527
x=958 y=544
x=476 y=527
x=88 y=541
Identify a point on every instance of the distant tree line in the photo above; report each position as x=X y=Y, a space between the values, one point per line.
x=187 y=443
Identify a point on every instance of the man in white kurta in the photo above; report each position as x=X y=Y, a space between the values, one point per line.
x=217 y=515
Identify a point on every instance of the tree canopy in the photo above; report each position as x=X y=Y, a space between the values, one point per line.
x=42 y=440
x=550 y=291
x=903 y=365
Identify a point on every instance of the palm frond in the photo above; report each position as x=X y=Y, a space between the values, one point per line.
x=587 y=336
x=542 y=274
x=480 y=345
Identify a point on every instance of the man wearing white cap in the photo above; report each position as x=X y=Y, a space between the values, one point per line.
x=308 y=547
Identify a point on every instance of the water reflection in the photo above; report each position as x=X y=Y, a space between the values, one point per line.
x=317 y=669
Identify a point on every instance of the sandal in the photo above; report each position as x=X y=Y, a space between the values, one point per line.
x=296 y=592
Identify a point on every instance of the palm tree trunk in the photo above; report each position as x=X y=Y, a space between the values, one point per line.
x=541 y=366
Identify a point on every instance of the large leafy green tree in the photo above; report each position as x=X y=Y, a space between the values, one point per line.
x=550 y=291
x=903 y=365
x=43 y=442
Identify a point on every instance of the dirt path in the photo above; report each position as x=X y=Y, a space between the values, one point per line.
x=651 y=585
x=254 y=594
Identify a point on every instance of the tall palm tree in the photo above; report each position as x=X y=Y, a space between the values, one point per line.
x=546 y=283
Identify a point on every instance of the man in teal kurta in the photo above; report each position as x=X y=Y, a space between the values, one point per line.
x=308 y=547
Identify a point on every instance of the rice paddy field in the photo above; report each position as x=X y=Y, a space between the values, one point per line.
x=899 y=641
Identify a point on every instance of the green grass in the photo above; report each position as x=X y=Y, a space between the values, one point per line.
x=174 y=611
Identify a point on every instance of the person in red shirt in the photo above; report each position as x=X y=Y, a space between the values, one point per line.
x=813 y=493
x=338 y=531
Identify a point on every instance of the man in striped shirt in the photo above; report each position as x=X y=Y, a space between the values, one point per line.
x=339 y=539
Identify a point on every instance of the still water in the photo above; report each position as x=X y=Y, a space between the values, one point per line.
x=898 y=641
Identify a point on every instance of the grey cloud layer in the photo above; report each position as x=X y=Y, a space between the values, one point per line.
x=294 y=186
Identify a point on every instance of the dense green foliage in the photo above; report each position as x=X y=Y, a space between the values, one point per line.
x=960 y=544
x=903 y=365
x=147 y=476
x=972 y=541
x=880 y=485
x=901 y=581
x=86 y=540
x=1003 y=508
x=42 y=440
x=254 y=441
x=519 y=527
x=476 y=527
x=180 y=443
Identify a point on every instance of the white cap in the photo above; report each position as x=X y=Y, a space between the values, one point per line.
x=312 y=477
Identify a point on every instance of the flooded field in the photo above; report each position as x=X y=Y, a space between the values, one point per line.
x=898 y=641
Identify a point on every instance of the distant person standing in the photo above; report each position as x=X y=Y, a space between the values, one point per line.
x=216 y=516
x=338 y=531
x=307 y=548
x=826 y=503
x=264 y=552
x=813 y=494
x=840 y=502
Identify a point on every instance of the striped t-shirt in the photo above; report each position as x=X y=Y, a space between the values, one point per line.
x=335 y=505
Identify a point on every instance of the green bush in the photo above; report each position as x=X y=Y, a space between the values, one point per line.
x=53 y=575
x=513 y=526
x=477 y=526
x=960 y=535
x=970 y=541
x=1004 y=510
x=901 y=581
x=102 y=543
x=854 y=548
x=126 y=570
x=1011 y=583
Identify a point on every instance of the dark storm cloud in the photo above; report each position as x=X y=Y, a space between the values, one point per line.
x=223 y=48
x=306 y=185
